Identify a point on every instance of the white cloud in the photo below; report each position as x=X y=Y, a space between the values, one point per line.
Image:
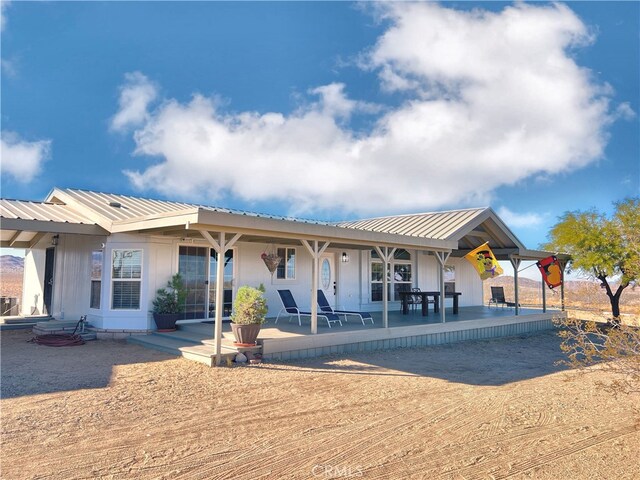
x=4 y=4
x=22 y=160
x=492 y=99
x=521 y=220
x=135 y=96
x=625 y=111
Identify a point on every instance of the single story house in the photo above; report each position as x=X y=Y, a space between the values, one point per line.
x=104 y=255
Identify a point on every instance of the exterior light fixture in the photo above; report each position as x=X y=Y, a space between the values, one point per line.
x=54 y=240
x=345 y=257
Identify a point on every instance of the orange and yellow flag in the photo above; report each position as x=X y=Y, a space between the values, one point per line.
x=484 y=261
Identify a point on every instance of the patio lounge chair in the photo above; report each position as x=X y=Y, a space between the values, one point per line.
x=497 y=298
x=290 y=307
x=323 y=303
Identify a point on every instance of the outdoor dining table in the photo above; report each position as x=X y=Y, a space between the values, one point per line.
x=424 y=296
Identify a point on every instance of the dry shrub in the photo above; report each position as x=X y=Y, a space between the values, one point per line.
x=614 y=348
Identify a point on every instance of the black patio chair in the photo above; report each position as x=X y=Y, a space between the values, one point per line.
x=497 y=298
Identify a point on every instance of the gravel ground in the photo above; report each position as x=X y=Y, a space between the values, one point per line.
x=485 y=409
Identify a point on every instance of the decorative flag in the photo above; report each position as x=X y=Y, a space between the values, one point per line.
x=551 y=271
x=484 y=261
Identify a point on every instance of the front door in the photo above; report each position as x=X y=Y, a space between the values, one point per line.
x=47 y=291
x=327 y=277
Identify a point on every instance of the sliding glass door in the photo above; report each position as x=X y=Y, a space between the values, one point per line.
x=198 y=267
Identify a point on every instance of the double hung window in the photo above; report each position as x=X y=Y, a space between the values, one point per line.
x=126 y=279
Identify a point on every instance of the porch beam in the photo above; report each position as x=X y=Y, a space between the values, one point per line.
x=316 y=250
x=515 y=262
x=385 y=255
x=544 y=295
x=14 y=238
x=219 y=295
x=36 y=238
x=212 y=241
x=563 y=265
x=220 y=246
x=442 y=260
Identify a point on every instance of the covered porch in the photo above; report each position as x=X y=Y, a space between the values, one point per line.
x=290 y=341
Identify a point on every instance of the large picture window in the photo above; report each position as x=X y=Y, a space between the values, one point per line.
x=96 y=279
x=401 y=279
x=126 y=278
x=287 y=268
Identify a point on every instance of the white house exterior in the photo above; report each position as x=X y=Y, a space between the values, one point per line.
x=105 y=255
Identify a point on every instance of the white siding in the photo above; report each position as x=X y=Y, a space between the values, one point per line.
x=33 y=281
x=72 y=275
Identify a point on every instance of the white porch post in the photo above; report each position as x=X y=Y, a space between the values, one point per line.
x=442 y=260
x=515 y=262
x=562 y=267
x=386 y=256
x=544 y=296
x=315 y=252
x=221 y=246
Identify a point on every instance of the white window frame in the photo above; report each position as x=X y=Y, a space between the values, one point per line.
x=286 y=268
x=114 y=280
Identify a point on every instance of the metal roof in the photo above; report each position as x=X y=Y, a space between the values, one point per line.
x=41 y=211
x=437 y=225
x=23 y=223
x=108 y=212
x=116 y=207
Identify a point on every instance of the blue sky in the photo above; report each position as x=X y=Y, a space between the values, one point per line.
x=327 y=110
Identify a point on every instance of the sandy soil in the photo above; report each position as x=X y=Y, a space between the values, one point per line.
x=488 y=409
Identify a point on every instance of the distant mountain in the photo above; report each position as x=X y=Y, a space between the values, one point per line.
x=523 y=282
x=9 y=263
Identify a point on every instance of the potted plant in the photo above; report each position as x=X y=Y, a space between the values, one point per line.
x=169 y=304
x=249 y=313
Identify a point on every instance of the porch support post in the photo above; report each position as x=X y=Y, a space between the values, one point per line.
x=442 y=260
x=316 y=251
x=544 y=296
x=515 y=262
x=385 y=255
x=220 y=246
x=562 y=267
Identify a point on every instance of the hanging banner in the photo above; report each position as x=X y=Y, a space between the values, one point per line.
x=551 y=271
x=484 y=261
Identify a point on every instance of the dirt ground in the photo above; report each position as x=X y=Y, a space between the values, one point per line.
x=486 y=409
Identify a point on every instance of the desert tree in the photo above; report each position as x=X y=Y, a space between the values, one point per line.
x=607 y=249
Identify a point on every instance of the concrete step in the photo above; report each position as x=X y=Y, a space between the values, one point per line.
x=56 y=326
x=24 y=320
x=17 y=326
x=186 y=348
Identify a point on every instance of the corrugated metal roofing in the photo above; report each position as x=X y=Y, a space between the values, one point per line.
x=135 y=207
x=436 y=225
x=116 y=207
x=41 y=211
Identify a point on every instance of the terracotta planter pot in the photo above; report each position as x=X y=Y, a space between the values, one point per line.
x=246 y=335
x=166 y=322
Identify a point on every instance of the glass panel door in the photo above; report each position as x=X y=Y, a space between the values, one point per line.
x=227 y=294
x=192 y=265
